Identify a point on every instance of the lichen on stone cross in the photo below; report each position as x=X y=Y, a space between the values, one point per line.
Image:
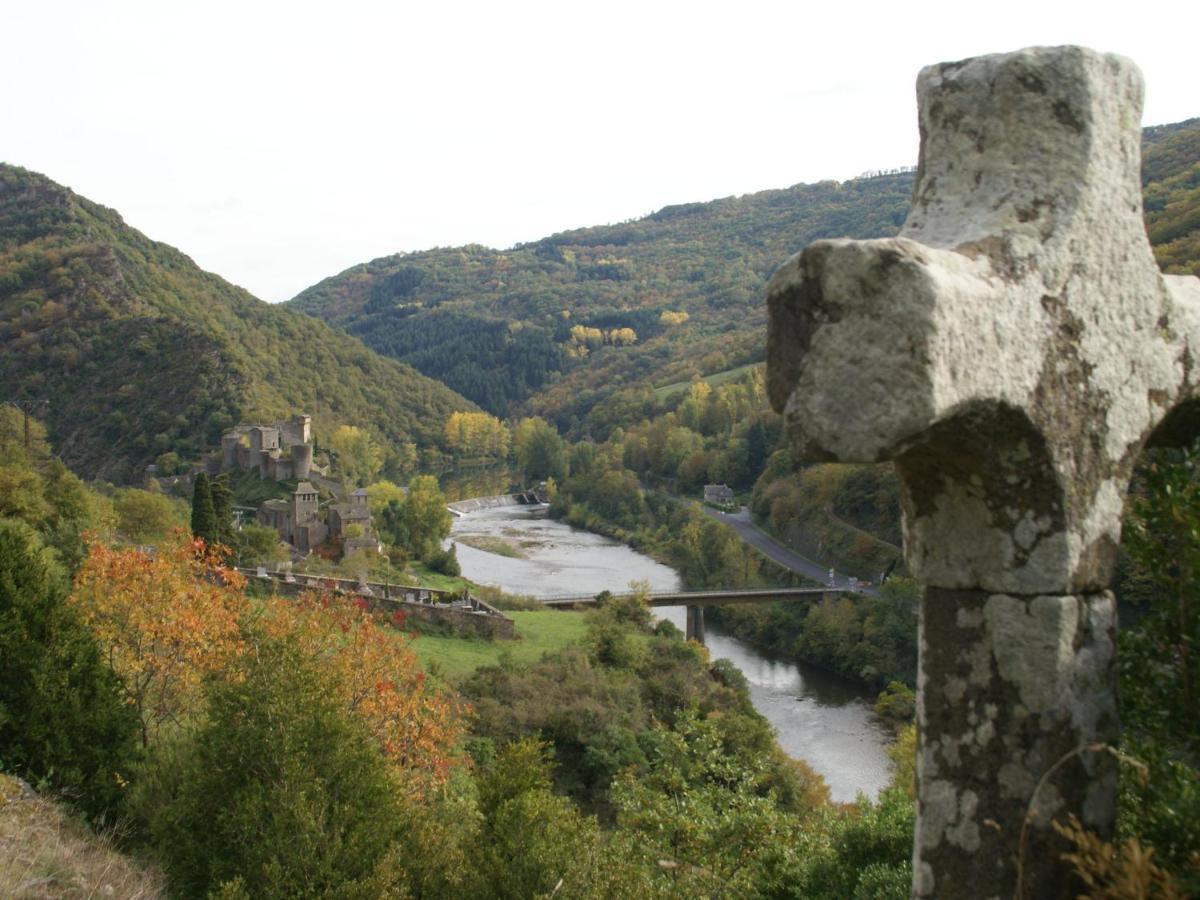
x=1013 y=350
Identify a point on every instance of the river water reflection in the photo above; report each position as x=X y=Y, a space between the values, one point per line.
x=819 y=718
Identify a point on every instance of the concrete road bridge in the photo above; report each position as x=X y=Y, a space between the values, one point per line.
x=695 y=601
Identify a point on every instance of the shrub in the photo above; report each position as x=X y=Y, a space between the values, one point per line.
x=280 y=788
x=445 y=561
x=62 y=718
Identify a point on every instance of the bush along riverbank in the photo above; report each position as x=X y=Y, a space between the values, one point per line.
x=871 y=640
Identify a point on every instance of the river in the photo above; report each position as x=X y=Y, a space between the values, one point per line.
x=819 y=718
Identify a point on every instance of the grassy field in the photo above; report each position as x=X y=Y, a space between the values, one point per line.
x=668 y=391
x=541 y=631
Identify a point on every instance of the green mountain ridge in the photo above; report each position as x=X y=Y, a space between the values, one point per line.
x=496 y=324
x=135 y=351
x=451 y=312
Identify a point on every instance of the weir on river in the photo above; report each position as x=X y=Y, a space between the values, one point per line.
x=819 y=718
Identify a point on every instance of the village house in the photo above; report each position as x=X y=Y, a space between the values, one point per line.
x=352 y=523
x=719 y=495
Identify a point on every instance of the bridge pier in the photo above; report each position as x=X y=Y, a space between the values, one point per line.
x=695 y=624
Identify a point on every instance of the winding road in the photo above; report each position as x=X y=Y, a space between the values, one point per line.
x=754 y=536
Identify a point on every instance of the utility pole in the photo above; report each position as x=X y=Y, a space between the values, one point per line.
x=25 y=406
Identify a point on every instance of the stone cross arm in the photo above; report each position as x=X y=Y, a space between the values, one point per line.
x=1015 y=341
x=1013 y=350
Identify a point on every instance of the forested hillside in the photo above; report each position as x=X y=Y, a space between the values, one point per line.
x=546 y=326
x=1171 y=178
x=138 y=352
x=578 y=314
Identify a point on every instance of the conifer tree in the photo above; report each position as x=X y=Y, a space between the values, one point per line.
x=222 y=503
x=204 y=518
x=62 y=716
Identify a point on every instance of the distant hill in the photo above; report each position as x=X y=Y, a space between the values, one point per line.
x=497 y=325
x=139 y=352
x=1171 y=177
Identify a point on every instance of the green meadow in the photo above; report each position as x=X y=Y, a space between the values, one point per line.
x=541 y=631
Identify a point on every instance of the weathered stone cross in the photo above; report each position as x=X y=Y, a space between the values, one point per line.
x=1013 y=351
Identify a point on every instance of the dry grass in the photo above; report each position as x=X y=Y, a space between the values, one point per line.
x=45 y=854
x=1117 y=872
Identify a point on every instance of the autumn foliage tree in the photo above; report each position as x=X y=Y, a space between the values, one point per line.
x=476 y=434
x=378 y=679
x=164 y=621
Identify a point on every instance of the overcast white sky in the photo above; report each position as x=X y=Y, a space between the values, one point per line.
x=278 y=143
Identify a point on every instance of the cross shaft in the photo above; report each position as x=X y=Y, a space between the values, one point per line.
x=1013 y=350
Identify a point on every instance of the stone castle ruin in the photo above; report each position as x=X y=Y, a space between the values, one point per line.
x=1013 y=350
x=299 y=523
x=281 y=451
x=296 y=519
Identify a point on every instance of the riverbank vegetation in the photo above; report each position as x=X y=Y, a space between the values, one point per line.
x=606 y=757
x=271 y=747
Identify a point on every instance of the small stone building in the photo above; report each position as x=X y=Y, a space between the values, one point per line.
x=356 y=512
x=719 y=495
x=296 y=520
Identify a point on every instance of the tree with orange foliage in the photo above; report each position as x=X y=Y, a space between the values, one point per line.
x=163 y=620
x=417 y=724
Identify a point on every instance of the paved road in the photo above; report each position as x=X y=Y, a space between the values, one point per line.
x=772 y=549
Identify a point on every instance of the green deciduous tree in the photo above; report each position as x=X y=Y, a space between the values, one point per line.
x=702 y=810
x=426 y=519
x=359 y=457
x=146 y=518
x=255 y=543
x=540 y=451
x=535 y=843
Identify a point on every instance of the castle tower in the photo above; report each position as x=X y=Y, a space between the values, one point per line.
x=304 y=429
x=304 y=504
x=229 y=445
x=302 y=457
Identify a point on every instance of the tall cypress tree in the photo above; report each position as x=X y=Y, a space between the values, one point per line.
x=204 y=518
x=222 y=503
